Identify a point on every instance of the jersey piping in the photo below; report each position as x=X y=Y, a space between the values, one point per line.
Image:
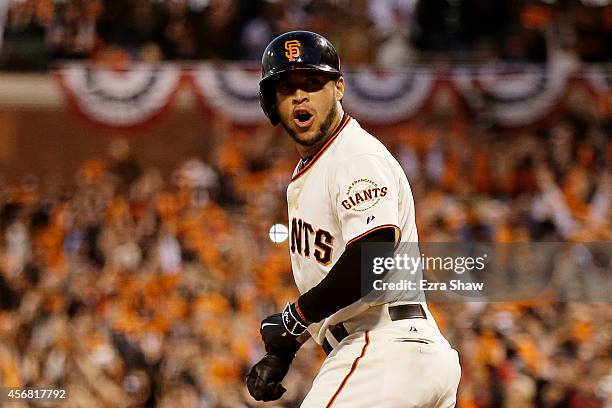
x=316 y=157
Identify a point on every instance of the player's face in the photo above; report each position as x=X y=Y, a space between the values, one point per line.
x=308 y=105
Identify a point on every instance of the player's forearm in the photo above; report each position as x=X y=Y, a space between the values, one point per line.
x=342 y=285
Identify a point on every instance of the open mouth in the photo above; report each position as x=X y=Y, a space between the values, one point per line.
x=303 y=119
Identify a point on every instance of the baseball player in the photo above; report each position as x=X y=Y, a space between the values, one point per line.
x=347 y=190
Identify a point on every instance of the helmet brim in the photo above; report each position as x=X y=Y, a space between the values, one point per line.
x=272 y=78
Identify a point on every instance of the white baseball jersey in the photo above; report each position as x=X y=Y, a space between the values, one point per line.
x=352 y=186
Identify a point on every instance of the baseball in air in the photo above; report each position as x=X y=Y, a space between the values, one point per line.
x=278 y=233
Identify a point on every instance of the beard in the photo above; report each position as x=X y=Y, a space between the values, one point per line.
x=322 y=132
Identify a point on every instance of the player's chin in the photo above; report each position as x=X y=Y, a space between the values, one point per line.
x=309 y=138
x=304 y=136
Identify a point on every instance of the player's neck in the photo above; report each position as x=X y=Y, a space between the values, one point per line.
x=309 y=151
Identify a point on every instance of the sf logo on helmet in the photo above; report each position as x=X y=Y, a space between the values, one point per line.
x=292 y=48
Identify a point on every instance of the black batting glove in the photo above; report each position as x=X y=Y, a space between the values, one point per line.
x=280 y=331
x=264 y=379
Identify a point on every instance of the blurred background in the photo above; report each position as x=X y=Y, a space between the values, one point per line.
x=139 y=182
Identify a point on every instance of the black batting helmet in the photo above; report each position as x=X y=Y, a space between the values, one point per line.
x=295 y=50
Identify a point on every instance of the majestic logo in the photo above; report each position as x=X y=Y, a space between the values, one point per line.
x=363 y=194
x=292 y=48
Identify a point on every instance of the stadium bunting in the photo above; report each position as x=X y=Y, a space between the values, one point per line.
x=232 y=90
x=120 y=98
x=513 y=95
x=509 y=95
x=387 y=97
x=599 y=78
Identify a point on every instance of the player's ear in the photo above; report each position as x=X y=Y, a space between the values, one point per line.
x=339 y=88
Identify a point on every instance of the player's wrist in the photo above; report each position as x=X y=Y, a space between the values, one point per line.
x=294 y=320
x=300 y=312
x=277 y=339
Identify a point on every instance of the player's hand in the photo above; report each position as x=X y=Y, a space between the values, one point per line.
x=264 y=378
x=280 y=332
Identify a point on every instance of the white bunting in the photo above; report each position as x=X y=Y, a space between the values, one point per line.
x=232 y=90
x=387 y=97
x=510 y=94
x=120 y=98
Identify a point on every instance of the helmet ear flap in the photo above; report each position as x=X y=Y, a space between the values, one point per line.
x=269 y=107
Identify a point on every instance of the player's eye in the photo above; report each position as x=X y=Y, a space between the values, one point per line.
x=283 y=88
x=314 y=84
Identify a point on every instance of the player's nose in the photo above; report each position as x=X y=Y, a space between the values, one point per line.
x=299 y=96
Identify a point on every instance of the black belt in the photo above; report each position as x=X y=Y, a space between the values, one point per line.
x=400 y=312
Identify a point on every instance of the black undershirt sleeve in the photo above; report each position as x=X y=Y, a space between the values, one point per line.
x=342 y=285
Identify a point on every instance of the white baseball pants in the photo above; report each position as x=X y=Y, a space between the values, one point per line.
x=399 y=364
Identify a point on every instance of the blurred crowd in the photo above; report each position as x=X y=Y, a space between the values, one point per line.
x=137 y=288
x=384 y=32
